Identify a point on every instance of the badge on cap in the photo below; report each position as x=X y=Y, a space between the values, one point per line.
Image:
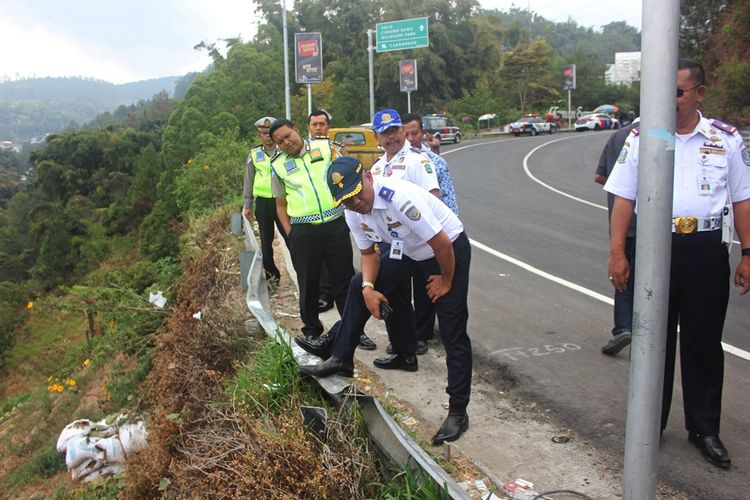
x=338 y=179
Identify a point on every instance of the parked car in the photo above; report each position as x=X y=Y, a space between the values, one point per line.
x=441 y=127
x=532 y=125
x=596 y=121
x=359 y=142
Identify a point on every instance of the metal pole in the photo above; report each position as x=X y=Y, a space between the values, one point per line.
x=653 y=244
x=309 y=99
x=370 y=51
x=287 y=96
x=408 y=102
x=569 y=111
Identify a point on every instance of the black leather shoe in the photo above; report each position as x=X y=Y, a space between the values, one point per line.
x=617 y=343
x=452 y=428
x=398 y=362
x=367 y=343
x=421 y=348
x=319 y=346
x=325 y=304
x=331 y=366
x=712 y=449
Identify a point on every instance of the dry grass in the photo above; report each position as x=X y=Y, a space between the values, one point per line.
x=202 y=444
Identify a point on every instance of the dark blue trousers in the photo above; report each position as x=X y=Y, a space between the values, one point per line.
x=623 y=309
x=698 y=298
x=452 y=312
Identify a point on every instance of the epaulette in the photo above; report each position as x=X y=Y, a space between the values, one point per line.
x=386 y=194
x=724 y=127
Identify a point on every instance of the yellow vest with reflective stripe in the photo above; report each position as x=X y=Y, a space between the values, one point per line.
x=305 y=178
x=262 y=182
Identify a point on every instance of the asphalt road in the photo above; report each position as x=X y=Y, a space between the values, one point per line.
x=540 y=301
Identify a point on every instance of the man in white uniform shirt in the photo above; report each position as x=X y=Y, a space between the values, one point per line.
x=712 y=172
x=401 y=161
x=425 y=238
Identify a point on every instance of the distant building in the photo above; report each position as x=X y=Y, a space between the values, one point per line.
x=625 y=70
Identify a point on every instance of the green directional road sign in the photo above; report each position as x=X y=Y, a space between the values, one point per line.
x=400 y=35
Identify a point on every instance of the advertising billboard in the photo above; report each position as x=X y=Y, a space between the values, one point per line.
x=308 y=58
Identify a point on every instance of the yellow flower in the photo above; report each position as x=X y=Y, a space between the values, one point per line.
x=70 y=382
x=50 y=378
x=60 y=388
x=190 y=161
x=205 y=168
x=30 y=305
x=86 y=362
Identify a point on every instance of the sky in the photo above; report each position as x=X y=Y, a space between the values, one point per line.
x=135 y=40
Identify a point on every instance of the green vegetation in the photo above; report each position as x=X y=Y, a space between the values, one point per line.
x=138 y=201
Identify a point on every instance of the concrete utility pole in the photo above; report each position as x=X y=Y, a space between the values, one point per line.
x=653 y=245
x=287 y=95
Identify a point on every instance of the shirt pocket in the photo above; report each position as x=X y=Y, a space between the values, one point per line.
x=716 y=168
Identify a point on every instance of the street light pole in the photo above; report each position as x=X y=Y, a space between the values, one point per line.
x=370 y=57
x=653 y=246
x=287 y=96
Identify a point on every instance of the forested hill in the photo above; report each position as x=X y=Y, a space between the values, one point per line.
x=37 y=106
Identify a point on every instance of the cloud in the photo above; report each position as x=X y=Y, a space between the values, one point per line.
x=117 y=42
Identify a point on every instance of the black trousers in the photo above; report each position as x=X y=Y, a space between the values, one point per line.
x=266 y=215
x=698 y=297
x=452 y=312
x=311 y=245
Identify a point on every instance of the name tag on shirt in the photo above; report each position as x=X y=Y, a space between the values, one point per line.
x=705 y=185
x=397 y=249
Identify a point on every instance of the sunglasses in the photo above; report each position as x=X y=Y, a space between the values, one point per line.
x=681 y=92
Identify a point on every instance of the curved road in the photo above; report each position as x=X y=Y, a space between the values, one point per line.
x=541 y=307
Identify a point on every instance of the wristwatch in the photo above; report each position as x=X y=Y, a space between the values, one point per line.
x=368 y=284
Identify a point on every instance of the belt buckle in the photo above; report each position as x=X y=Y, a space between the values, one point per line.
x=685 y=225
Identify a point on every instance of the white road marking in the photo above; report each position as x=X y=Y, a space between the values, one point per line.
x=556 y=279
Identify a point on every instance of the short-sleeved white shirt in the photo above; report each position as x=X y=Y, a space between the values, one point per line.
x=408 y=165
x=708 y=161
x=403 y=211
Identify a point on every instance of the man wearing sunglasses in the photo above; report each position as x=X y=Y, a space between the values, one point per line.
x=711 y=181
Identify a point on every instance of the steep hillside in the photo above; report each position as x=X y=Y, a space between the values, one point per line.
x=34 y=107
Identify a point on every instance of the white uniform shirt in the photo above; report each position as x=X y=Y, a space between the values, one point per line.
x=707 y=162
x=403 y=211
x=407 y=165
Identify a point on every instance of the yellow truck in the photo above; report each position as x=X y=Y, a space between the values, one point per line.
x=359 y=142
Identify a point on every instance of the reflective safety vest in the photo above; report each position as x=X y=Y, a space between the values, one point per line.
x=262 y=164
x=305 y=179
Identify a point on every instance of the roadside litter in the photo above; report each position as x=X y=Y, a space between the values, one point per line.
x=97 y=449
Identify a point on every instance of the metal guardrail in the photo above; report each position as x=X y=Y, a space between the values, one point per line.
x=390 y=439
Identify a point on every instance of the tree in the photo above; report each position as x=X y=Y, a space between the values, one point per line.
x=526 y=68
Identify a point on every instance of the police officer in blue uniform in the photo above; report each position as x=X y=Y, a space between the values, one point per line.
x=711 y=181
x=425 y=238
